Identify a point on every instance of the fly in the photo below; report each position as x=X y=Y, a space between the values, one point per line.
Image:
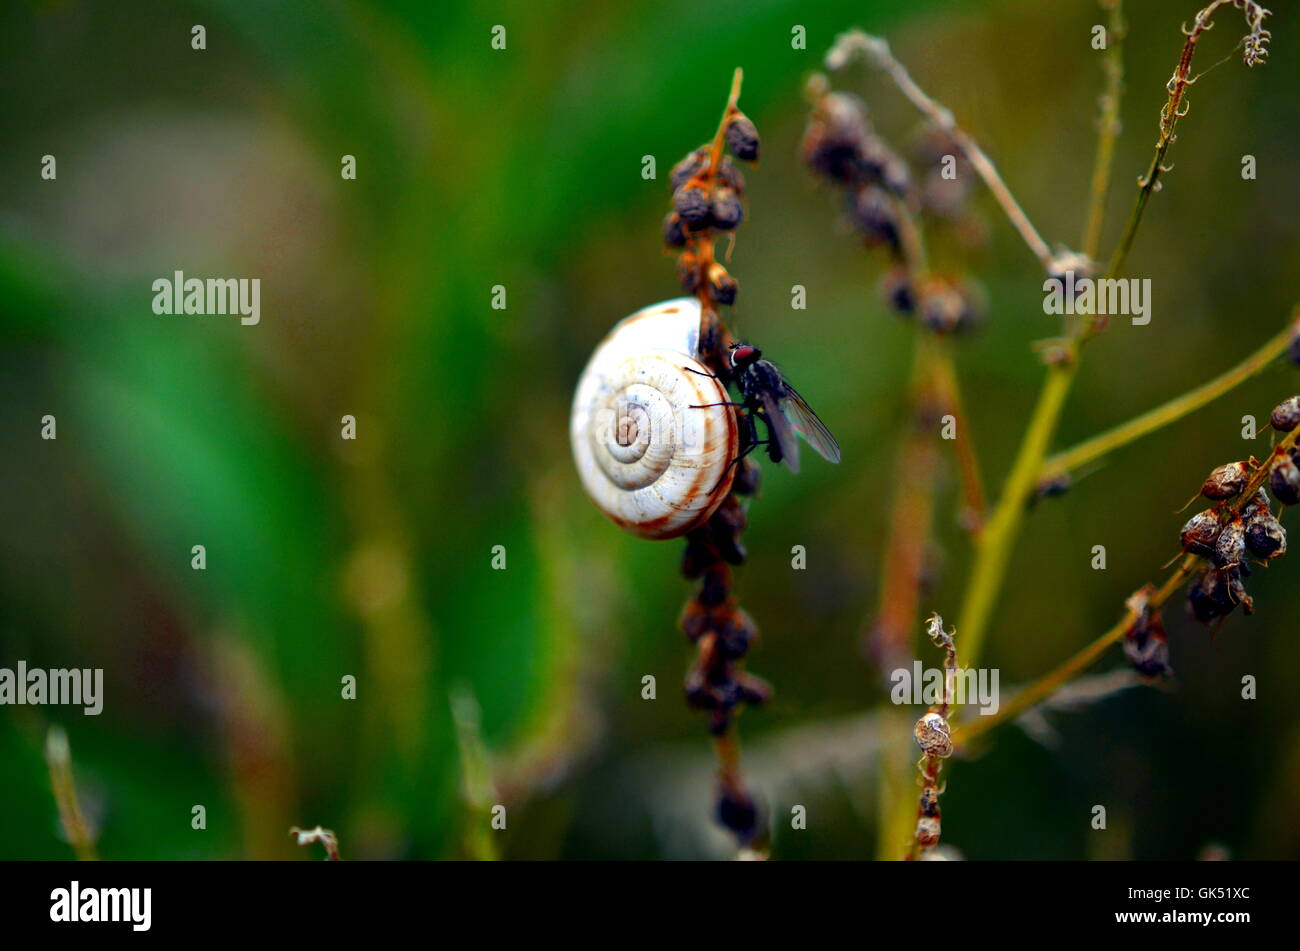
x=767 y=396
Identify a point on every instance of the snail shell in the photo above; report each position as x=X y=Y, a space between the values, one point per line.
x=649 y=460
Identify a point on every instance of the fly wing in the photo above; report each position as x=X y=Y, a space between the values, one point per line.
x=807 y=425
x=779 y=428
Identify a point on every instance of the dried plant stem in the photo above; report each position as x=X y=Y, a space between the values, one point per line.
x=711 y=328
x=948 y=392
x=58 y=757
x=1105 y=443
x=1108 y=129
x=911 y=512
x=1045 y=686
x=936 y=749
x=717 y=681
x=943 y=386
x=1176 y=107
x=876 y=50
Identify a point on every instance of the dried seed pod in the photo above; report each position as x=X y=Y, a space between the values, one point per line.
x=943 y=197
x=1071 y=261
x=736 y=810
x=883 y=164
x=699 y=695
x=727 y=209
x=942 y=307
x=722 y=285
x=927 y=832
x=896 y=288
x=674 y=233
x=1200 y=533
x=754 y=691
x=872 y=213
x=694 y=163
x=1147 y=646
x=1230 y=546
x=1286 y=415
x=1217 y=593
x=1232 y=576
x=735 y=633
x=693 y=204
x=933 y=735
x=730 y=176
x=1226 y=481
x=742 y=138
x=930 y=802
x=1255 y=504
x=1285 y=480
x=697 y=620
x=1265 y=536
x=836 y=138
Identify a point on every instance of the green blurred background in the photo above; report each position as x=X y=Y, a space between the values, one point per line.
x=371 y=558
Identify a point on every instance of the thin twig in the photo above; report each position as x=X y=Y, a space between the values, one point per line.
x=1108 y=129
x=911 y=510
x=1176 y=107
x=948 y=390
x=934 y=734
x=58 y=757
x=854 y=44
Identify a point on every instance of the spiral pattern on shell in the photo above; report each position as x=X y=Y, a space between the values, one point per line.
x=648 y=457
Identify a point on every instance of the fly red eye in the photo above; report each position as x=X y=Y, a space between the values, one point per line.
x=742 y=354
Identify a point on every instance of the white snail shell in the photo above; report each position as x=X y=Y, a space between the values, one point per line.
x=650 y=461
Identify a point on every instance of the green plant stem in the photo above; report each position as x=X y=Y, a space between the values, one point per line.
x=994 y=545
x=1105 y=443
x=1108 y=130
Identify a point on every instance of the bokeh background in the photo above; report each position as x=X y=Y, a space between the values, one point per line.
x=371 y=557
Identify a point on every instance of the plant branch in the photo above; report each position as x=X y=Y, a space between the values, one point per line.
x=1046 y=685
x=1105 y=443
x=856 y=44
x=1176 y=107
x=998 y=538
x=948 y=391
x=1108 y=129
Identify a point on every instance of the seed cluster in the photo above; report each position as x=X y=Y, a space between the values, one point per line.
x=1145 y=642
x=1241 y=524
x=708 y=190
x=882 y=198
